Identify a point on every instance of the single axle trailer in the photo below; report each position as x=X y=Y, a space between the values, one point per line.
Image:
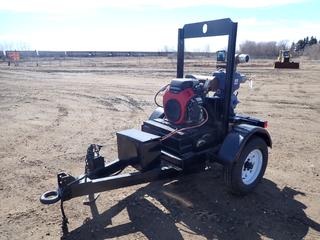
x=195 y=123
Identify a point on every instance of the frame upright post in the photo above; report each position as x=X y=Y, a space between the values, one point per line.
x=180 y=53
x=232 y=38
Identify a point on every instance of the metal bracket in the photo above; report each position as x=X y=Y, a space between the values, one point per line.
x=213 y=28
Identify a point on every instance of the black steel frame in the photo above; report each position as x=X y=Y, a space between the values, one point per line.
x=214 y=28
x=107 y=178
x=102 y=180
x=70 y=187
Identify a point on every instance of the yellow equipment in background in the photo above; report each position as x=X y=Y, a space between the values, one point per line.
x=284 y=60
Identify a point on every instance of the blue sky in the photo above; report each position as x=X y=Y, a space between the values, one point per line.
x=147 y=25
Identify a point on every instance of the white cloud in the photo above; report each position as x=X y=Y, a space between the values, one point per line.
x=70 y=6
x=94 y=39
x=229 y=3
x=81 y=38
x=275 y=30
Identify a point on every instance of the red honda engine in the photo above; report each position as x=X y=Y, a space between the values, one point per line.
x=182 y=101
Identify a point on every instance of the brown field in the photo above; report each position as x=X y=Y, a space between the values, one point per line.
x=49 y=115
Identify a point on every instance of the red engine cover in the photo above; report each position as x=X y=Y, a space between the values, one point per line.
x=175 y=105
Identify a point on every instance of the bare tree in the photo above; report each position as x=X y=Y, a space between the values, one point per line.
x=12 y=46
x=263 y=49
x=207 y=50
x=283 y=44
x=313 y=51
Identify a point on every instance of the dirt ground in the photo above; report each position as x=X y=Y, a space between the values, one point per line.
x=49 y=115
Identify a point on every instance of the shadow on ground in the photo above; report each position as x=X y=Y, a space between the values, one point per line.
x=199 y=205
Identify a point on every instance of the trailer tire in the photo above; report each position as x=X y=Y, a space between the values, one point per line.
x=244 y=175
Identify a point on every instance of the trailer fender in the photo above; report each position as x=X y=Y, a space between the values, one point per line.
x=158 y=113
x=235 y=141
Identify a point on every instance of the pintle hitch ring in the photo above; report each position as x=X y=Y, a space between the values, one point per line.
x=50 y=197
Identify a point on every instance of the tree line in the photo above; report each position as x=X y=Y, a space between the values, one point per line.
x=262 y=49
x=308 y=46
x=304 y=43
